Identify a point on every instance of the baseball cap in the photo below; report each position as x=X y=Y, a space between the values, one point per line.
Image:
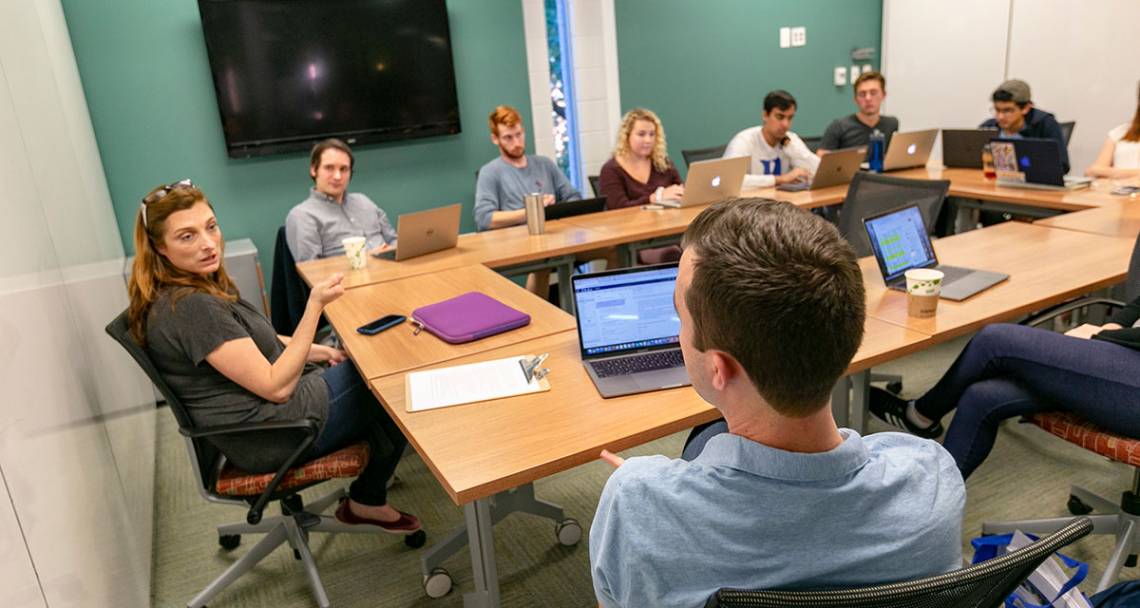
x=1017 y=89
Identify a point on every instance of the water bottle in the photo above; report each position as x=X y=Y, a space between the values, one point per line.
x=876 y=150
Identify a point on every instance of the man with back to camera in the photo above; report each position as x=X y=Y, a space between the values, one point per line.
x=855 y=130
x=316 y=226
x=1015 y=117
x=774 y=495
x=778 y=155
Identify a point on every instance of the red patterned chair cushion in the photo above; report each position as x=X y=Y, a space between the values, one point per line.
x=1074 y=429
x=347 y=462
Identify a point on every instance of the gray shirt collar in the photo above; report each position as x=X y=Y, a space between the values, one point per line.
x=737 y=452
x=321 y=196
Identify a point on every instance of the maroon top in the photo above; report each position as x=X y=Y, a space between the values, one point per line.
x=622 y=190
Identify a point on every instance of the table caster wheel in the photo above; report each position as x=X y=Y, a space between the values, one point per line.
x=569 y=532
x=1078 y=506
x=437 y=584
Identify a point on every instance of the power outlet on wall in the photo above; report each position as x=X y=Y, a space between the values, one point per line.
x=785 y=37
x=799 y=36
x=840 y=76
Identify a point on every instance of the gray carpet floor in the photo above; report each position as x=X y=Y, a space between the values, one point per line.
x=1027 y=476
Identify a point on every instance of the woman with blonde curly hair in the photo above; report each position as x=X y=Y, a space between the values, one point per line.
x=640 y=171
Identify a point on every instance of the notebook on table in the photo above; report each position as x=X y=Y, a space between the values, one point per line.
x=900 y=242
x=628 y=329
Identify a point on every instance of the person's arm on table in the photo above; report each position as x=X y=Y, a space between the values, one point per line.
x=241 y=361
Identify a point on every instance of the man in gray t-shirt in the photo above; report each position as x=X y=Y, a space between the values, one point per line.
x=854 y=130
x=503 y=182
x=316 y=226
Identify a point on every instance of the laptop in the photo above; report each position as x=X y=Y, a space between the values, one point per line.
x=425 y=232
x=1033 y=163
x=711 y=180
x=900 y=242
x=572 y=208
x=628 y=329
x=909 y=150
x=835 y=169
x=963 y=147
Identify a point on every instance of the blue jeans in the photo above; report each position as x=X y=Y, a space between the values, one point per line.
x=355 y=415
x=1014 y=370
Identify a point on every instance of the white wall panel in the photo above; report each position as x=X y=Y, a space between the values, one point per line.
x=1081 y=61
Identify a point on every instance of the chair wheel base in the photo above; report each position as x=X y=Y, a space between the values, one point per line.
x=1078 y=506
x=437 y=584
x=416 y=539
x=895 y=387
x=229 y=542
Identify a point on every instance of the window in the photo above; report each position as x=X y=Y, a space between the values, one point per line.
x=567 y=154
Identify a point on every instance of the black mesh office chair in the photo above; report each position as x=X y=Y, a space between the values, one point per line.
x=696 y=154
x=1067 y=130
x=813 y=142
x=594 y=185
x=983 y=585
x=220 y=481
x=871 y=193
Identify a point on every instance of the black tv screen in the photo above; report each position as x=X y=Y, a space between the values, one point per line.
x=288 y=73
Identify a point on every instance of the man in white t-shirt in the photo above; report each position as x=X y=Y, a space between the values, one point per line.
x=778 y=155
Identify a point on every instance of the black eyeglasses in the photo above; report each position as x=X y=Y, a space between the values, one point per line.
x=157 y=195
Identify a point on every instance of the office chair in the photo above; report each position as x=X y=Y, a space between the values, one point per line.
x=220 y=481
x=696 y=154
x=595 y=185
x=289 y=293
x=813 y=142
x=1121 y=520
x=983 y=585
x=1067 y=130
x=871 y=193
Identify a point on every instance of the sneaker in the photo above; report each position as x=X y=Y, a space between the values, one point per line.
x=405 y=525
x=892 y=410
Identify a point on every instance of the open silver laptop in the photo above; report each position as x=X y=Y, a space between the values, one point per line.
x=628 y=329
x=900 y=242
x=909 y=150
x=712 y=180
x=835 y=169
x=424 y=232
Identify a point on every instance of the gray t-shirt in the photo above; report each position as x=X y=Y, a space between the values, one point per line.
x=178 y=339
x=502 y=186
x=849 y=132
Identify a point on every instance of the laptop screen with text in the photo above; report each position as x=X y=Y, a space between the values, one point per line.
x=900 y=242
x=627 y=311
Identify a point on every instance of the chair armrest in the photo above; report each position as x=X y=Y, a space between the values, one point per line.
x=253 y=516
x=1067 y=307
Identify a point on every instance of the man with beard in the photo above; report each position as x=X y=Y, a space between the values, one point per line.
x=503 y=182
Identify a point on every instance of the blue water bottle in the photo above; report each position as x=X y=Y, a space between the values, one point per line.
x=876 y=150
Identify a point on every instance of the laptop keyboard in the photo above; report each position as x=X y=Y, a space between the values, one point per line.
x=953 y=273
x=623 y=366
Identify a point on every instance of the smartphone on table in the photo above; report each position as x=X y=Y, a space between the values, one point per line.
x=379 y=325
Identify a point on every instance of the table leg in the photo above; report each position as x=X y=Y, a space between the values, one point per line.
x=860 y=395
x=565 y=293
x=480 y=537
x=840 y=402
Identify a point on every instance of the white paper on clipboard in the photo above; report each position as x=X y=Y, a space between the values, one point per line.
x=470 y=383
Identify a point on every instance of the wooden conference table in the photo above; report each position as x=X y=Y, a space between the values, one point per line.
x=487 y=455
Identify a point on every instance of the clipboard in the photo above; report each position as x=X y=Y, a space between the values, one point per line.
x=473 y=383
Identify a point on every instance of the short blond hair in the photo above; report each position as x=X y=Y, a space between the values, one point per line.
x=659 y=156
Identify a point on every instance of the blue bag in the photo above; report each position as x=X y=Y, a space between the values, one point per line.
x=986 y=548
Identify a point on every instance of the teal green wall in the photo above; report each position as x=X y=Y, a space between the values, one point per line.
x=705 y=67
x=147 y=81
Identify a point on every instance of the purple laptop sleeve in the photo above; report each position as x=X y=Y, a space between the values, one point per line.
x=468 y=317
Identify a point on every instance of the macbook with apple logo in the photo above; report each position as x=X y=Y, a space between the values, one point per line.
x=711 y=180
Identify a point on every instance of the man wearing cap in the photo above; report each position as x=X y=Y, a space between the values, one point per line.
x=1016 y=117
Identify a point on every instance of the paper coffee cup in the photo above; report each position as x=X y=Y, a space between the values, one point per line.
x=354 y=250
x=923 y=285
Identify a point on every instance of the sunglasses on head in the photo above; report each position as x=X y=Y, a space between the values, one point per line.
x=158 y=195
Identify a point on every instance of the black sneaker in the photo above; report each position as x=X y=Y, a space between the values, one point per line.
x=892 y=410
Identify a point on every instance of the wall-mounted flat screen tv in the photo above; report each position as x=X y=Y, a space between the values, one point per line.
x=288 y=73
